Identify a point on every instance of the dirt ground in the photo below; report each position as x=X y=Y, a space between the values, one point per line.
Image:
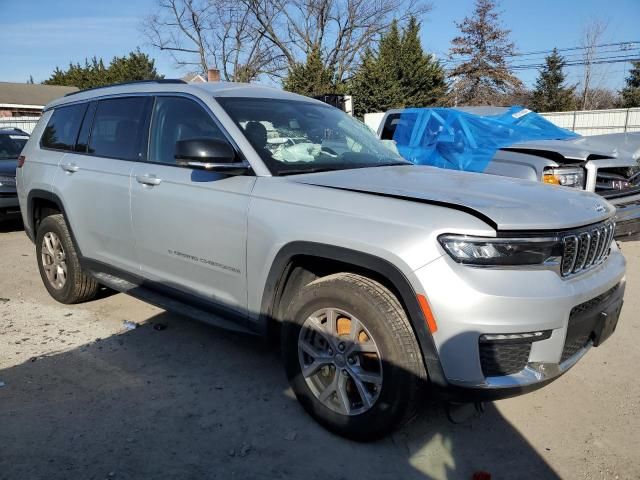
x=83 y=397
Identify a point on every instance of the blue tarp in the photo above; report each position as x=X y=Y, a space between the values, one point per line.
x=447 y=138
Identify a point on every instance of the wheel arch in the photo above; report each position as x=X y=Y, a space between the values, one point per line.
x=39 y=204
x=318 y=259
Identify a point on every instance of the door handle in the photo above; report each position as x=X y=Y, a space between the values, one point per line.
x=147 y=179
x=70 y=167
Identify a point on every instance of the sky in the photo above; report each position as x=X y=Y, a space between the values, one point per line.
x=38 y=35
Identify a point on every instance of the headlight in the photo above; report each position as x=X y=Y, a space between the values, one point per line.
x=502 y=251
x=565 y=176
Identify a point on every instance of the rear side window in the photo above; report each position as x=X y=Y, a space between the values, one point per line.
x=119 y=128
x=62 y=130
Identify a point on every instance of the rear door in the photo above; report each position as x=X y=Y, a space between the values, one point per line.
x=190 y=226
x=95 y=178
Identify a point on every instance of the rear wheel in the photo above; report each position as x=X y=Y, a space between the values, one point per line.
x=58 y=263
x=351 y=356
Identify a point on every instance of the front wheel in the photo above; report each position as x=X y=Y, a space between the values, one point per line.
x=351 y=356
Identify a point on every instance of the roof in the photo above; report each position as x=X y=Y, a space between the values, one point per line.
x=194 y=78
x=215 y=89
x=31 y=93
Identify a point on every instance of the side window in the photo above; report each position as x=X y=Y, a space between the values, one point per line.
x=119 y=128
x=62 y=130
x=390 y=125
x=174 y=119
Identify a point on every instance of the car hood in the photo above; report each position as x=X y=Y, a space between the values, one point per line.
x=8 y=167
x=617 y=145
x=504 y=203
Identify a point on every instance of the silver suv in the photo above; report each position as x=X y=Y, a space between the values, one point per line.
x=258 y=210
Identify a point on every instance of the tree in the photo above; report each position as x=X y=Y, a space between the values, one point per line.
x=591 y=36
x=482 y=75
x=602 y=99
x=311 y=78
x=272 y=37
x=135 y=66
x=550 y=93
x=631 y=92
x=422 y=79
x=220 y=34
x=399 y=74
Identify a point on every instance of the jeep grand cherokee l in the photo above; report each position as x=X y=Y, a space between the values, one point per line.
x=376 y=274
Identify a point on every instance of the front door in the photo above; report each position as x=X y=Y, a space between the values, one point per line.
x=190 y=226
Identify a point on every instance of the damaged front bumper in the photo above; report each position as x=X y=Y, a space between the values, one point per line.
x=627 y=217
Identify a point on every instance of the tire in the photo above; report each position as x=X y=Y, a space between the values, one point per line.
x=394 y=376
x=74 y=287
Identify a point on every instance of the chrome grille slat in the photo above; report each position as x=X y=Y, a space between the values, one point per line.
x=584 y=239
x=570 y=252
x=604 y=234
x=593 y=248
x=587 y=248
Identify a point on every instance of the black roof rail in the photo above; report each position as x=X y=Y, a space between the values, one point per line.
x=133 y=82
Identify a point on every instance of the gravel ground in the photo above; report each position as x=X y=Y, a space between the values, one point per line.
x=81 y=396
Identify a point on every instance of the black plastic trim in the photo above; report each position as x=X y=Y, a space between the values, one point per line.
x=50 y=197
x=172 y=292
x=382 y=267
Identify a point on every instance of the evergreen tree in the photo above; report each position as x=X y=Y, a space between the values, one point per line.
x=135 y=66
x=482 y=76
x=399 y=74
x=631 y=92
x=311 y=78
x=550 y=93
x=422 y=79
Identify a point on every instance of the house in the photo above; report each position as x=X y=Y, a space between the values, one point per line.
x=194 y=78
x=28 y=99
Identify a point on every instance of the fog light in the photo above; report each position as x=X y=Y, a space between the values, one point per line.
x=515 y=337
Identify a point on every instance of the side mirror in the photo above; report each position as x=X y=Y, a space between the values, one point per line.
x=209 y=154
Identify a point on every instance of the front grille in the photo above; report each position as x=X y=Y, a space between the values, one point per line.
x=614 y=181
x=586 y=249
x=503 y=358
x=578 y=335
x=573 y=345
x=7 y=181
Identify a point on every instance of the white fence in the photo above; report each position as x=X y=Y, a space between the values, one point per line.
x=597 y=122
x=23 y=123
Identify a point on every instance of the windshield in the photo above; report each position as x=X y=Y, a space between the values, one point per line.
x=11 y=145
x=301 y=137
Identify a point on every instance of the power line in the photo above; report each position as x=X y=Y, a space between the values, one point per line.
x=622 y=46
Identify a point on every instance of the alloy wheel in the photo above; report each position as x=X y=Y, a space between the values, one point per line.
x=340 y=361
x=54 y=260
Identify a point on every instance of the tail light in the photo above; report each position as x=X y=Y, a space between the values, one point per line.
x=21 y=160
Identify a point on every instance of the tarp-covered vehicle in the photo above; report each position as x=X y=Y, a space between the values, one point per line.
x=517 y=142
